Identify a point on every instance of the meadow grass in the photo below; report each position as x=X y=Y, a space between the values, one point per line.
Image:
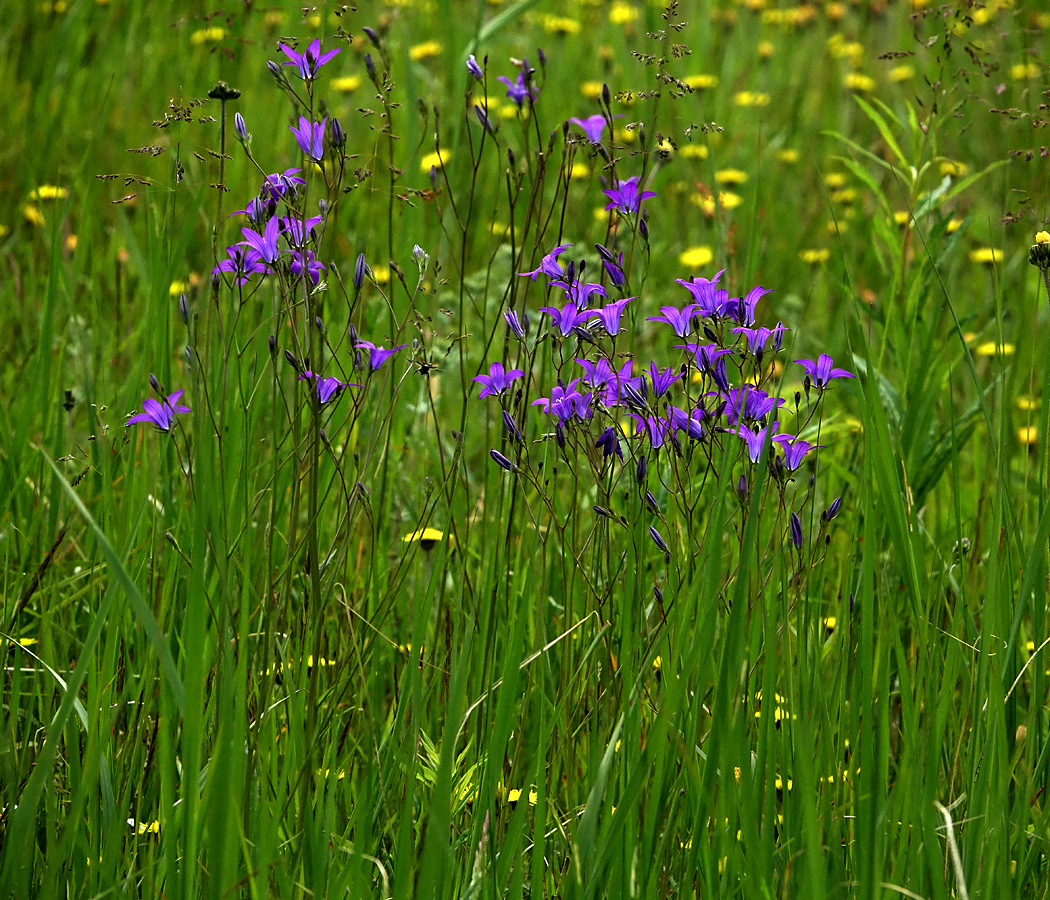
x=384 y=643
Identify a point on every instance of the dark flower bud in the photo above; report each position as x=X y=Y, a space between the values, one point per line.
x=154 y=383
x=634 y=400
x=240 y=127
x=778 y=336
x=570 y=271
x=272 y=342
x=798 y=399
x=660 y=543
x=500 y=460
x=351 y=333
x=606 y=94
x=741 y=488
x=473 y=68
x=542 y=57
x=559 y=435
x=603 y=512
x=338 y=135
x=215 y=281
x=322 y=206
x=275 y=70
x=832 y=510
x=293 y=361
x=510 y=157
x=796 y=531
x=433 y=178
x=370 y=66
x=359 y=271
x=658 y=594
x=515 y=325
x=650 y=502
x=371 y=34
x=189 y=355
x=643 y=230
x=483 y=118
x=512 y=427
x=807 y=384
x=605 y=253
x=184 y=309
x=319 y=323
x=641 y=468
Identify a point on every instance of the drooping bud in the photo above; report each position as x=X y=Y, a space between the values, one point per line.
x=483 y=118
x=500 y=460
x=660 y=543
x=514 y=324
x=741 y=488
x=606 y=94
x=512 y=428
x=650 y=502
x=372 y=35
x=832 y=510
x=293 y=361
x=473 y=68
x=433 y=178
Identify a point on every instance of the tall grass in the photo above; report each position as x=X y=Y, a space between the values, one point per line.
x=298 y=648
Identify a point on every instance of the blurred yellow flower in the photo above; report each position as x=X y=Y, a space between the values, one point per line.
x=730 y=176
x=696 y=257
x=427 y=537
x=381 y=274
x=792 y=17
x=991 y=348
x=33 y=215
x=560 y=25
x=840 y=48
x=835 y=179
x=70 y=243
x=693 y=151
x=901 y=217
x=953 y=168
x=1024 y=71
x=665 y=147
x=1042 y=237
x=207 y=35
x=514 y=795
x=814 y=257
x=1028 y=435
x=751 y=98
x=765 y=49
x=176 y=288
x=788 y=155
x=424 y=51
x=274 y=18
x=902 y=73
x=986 y=255
x=1027 y=404
x=346 y=84
x=437 y=158
x=953 y=225
x=579 y=170
x=844 y=195
x=49 y=192
x=835 y=11
x=592 y=90
x=5 y=230
x=726 y=199
x=837 y=226
x=700 y=82
x=622 y=13
x=625 y=135
x=855 y=81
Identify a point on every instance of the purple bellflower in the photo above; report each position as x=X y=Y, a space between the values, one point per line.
x=610 y=315
x=756 y=440
x=565 y=319
x=297 y=231
x=654 y=427
x=257 y=211
x=749 y=303
x=377 y=355
x=795 y=529
x=264 y=244
x=678 y=319
x=304 y=261
x=661 y=380
x=757 y=338
x=794 y=449
x=280 y=184
x=327 y=388
x=309 y=62
x=497 y=381
x=610 y=443
x=577 y=292
x=822 y=371
x=310 y=137
x=690 y=423
x=593 y=126
x=710 y=299
x=566 y=403
x=473 y=68
x=748 y=403
x=160 y=414
x=243 y=262
x=625 y=197
x=515 y=324
x=518 y=91
x=549 y=265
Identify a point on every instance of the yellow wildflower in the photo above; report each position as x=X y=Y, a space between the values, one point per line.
x=815 y=257
x=693 y=151
x=840 y=48
x=837 y=226
x=437 y=158
x=33 y=215
x=592 y=90
x=313 y=20
x=855 y=81
x=1028 y=435
x=835 y=11
x=381 y=274
x=70 y=243
x=696 y=257
x=986 y=255
x=991 y=348
x=579 y=170
x=560 y=25
x=700 y=82
x=210 y=35
x=176 y=288
x=427 y=537
x=953 y=225
x=622 y=13
x=765 y=49
x=424 y=51
x=953 y=168
x=901 y=217
x=1042 y=237
x=844 y=195
x=726 y=199
x=835 y=180
x=1024 y=71
x=751 y=98
x=1027 y=404
x=902 y=73
x=514 y=795
x=49 y=192
x=788 y=155
x=5 y=230
x=346 y=84
x=730 y=176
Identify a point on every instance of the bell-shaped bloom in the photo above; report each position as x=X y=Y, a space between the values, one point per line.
x=610 y=315
x=625 y=197
x=678 y=319
x=474 y=69
x=565 y=319
x=549 y=265
x=303 y=261
x=756 y=440
x=566 y=403
x=264 y=244
x=823 y=370
x=243 y=262
x=661 y=380
x=748 y=304
x=497 y=381
x=310 y=137
x=593 y=126
x=518 y=91
x=377 y=355
x=161 y=414
x=577 y=292
x=327 y=389
x=309 y=62
x=280 y=185
x=609 y=441
x=795 y=450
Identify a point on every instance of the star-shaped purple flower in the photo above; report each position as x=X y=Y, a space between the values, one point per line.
x=243 y=262
x=678 y=319
x=377 y=355
x=565 y=319
x=497 y=381
x=625 y=197
x=279 y=184
x=566 y=403
x=310 y=137
x=308 y=264
x=661 y=380
x=593 y=126
x=755 y=440
x=795 y=449
x=160 y=414
x=327 y=388
x=518 y=91
x=549 y=265
x=610 y=315
x=309 y=62
x=264 y=244
x=822 y=371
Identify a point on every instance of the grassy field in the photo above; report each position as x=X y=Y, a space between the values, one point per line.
x=571 y=595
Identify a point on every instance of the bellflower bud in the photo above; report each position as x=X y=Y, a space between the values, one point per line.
x=512 y=427
x=360 y=267
x=338 y=135
x=797 y=537
x=473 y=68
x=240 y=127
x=184 y=309
x=832 y=510
x=272 y=343
x=500 y=460
x=641 y=468
x=370 y=66
x=371 y=34
x=154 y=383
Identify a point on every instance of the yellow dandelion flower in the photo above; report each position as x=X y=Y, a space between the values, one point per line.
x=427 y=537
x=176 y=288
x=665 y=147
x=983 y=16
x=621 y=13
x=855 y=81
x=1042 y=20
x=146 y=827
x=33 y=215
x=901 y=217
x=625 y=135
x=579 y=170
x=1027 y=404
x=1024 y=71
x=835 y=180
x=835 y=11
x=696 y=257
x=755 y=5
x=953 y=168
x=346 y=84
x=844 y=195
x=211 y=35
x=498 y=229
x=601 y=214
x=514 y=795
x=788 y=155
x=701 y=82
x=693 y=151
x=815 y=256
x=424 y=51
x=49 y=192
x=840 y=48
x=836 y=226
x=991 y=348
x=765 y=49
x=560 y=25
x=381 y=274
x=730 y=176
x=829 y=623
x=726 y=199
x=592 y=90
x=314 y=20
x=919 y=4
x=953 y=225
x=1042 y=237
x=436 y=159
x=986 y=255
x=70 y=243
x=902 y=73
x=1028 y=435
x=751 y=98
